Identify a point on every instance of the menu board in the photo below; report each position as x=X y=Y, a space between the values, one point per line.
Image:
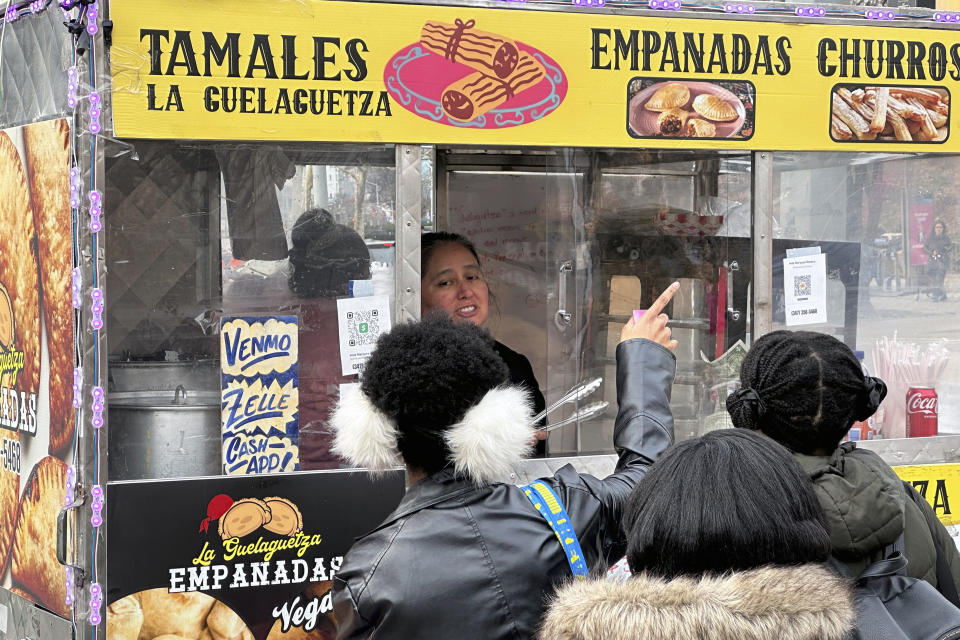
x=37 y=376
x=380 y=72
x=249 y=557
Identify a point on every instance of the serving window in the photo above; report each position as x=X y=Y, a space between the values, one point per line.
x=573 y=240
x=202 y=232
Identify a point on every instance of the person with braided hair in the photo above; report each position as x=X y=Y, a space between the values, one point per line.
x=805 y=390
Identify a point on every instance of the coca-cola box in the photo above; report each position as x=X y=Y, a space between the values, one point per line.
x=245 y=557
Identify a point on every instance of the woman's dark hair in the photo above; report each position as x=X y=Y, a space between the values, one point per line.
x=325 y=256
x=425 y=376
x=730 y=500
x=803 y=389
x=430 y=242
x=941 y=222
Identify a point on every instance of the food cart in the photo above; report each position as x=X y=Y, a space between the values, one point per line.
x=174 y=329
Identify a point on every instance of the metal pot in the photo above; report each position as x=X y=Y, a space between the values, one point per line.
x=164 y=376
x=164 y=434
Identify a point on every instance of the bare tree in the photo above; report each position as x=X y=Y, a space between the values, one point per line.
x=359 y=176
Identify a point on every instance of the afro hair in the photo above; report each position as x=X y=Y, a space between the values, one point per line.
x=425 y=376
x=803 y=389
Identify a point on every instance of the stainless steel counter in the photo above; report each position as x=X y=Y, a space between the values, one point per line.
x=899 y=452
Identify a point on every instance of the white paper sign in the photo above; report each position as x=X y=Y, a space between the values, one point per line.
x=805 y=289
x=361 y=322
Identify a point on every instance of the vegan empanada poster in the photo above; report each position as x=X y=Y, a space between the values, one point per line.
x=248 y=557
x=321 y=70
x=37 y=396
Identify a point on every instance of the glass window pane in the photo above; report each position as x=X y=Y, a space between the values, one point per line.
x=885 y=223
x=196 y=232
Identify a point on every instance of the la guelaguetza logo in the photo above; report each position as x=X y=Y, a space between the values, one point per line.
x=235 y=562
x=460 y=76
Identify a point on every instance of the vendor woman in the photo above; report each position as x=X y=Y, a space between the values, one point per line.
x=453 y=282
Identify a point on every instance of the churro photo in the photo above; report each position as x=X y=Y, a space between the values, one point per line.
x=864 y=113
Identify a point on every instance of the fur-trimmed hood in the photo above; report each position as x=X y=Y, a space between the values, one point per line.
x=787 y=603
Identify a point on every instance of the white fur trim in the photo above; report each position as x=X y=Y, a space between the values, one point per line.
x=494 y=435
x=364 y=435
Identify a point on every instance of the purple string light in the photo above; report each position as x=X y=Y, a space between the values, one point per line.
x=811 y=12
x=77 y=387
x=92 y=13
x=589 y=3
x=72 y=79
x=97 y=407
x=36 y=6
x=76 y=288
x=70 y=479
x=11 y=14
x=74 y=187
x=946 y=17
x=94 y=113
x=95 y=603
x=739 y=8
x=667 y=5
x=97 y=507
x=879 y=14
x=97 y=309
x=69 y=581
x=95 y=210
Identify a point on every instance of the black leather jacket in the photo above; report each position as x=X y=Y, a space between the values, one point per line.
x=457 y=560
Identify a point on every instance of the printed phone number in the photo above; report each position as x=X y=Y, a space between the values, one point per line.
x=803 y=312
x=10 y=454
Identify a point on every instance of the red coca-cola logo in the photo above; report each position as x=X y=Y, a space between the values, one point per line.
x=918 y=402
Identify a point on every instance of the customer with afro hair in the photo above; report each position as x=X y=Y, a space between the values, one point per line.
x=465 y=555
x=805 y=390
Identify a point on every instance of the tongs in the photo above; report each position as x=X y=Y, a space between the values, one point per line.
x=575 y=394
x=585 y=413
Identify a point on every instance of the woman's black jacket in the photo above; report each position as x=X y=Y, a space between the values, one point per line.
x=458 y=560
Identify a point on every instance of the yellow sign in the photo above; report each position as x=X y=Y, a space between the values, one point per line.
x=373 y=72
x=937 y=483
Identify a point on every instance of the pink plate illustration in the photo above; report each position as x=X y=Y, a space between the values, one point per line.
x=459 y=76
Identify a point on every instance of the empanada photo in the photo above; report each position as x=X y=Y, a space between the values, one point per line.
x=285 y=517
x=671 y=122
x=224 y=624
x=124 y=619
x=244 y=517
x=33 y=563
x=714 y=108
x=669 y=96
x=175 y=614
x=18 y=267
x=47 y=152
x=697 y=128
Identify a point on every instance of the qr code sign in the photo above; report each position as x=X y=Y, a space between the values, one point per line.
x=363 y=327
x=802 y=285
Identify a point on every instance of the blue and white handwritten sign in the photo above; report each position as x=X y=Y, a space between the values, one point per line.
x=259 y=397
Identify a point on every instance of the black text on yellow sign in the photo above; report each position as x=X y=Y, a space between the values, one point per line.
x=937 y=484
x=328 y=70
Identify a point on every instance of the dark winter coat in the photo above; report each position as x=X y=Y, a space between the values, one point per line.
x=463 y=561
x=938 y=248
x=770 y=603
x=867 y=508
